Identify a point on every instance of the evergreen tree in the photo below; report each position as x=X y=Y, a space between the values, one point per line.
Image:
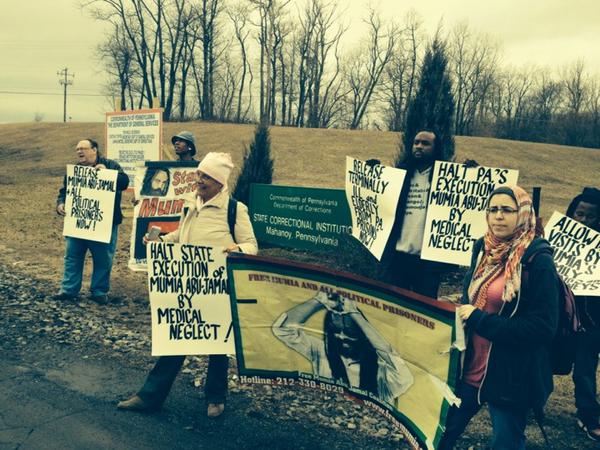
x=432 y=108
x=257 y=166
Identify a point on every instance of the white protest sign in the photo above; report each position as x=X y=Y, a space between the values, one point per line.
x=456 y=209
x=133 y=137
x=90 y=203
x=576 y=253
x=372 y=193
x=189 y=300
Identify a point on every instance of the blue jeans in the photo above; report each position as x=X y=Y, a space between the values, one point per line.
x=508 y=423
x=102 y=256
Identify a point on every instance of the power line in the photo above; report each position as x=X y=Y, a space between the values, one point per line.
x=49 y=93
x=67 y=80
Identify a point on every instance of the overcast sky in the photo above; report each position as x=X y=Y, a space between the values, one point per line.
x=40 y=37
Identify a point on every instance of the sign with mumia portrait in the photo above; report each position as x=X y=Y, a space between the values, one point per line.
x=162 y=190
x=303 y=325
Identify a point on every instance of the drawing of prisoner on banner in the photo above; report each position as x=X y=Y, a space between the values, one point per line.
x=162 y=190
x=372 y=192
x=576 y=253
x=456 y=209
x=399 y=346
x=352 y=351
x=90 y=203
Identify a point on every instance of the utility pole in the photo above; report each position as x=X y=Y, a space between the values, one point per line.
x=66 y=80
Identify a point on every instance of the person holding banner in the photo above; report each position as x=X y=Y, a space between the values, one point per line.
x=585 y=208
x=184 y=144
x=204 y=223
x=353 y=351
x=509 y=324
x=409 y=270
x=88 y=154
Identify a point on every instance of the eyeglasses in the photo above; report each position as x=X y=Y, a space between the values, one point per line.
x=503 y=209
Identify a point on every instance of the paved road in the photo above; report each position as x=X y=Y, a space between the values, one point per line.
x=56 y=397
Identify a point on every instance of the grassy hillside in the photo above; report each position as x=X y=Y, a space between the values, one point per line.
x=33 y=158
x=312 y=157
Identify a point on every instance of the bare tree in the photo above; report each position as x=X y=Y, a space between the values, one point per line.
x=304 y=40
x=287 y=65
x=117 y=56
x=238 y=14
x=270 y=35
x=574 y=85
x=399 y=78
x=160 y=35
x=174 y=62
x=509 y=100
x=226 y=81
x=365 y=68
x=209 y=15
x=325 y=40
x=280 y=31
x=190 y=40
x=473 y=60
x=543 y=106
x=132 y=22
x=593 y=108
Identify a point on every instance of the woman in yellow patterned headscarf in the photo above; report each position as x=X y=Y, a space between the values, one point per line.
x=510 y=320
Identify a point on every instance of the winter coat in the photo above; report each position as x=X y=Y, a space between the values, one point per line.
x=208 y=226
x=518 y=370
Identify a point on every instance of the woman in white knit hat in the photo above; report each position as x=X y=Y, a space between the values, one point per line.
x=205 y=223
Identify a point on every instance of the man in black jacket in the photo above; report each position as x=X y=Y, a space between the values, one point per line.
x=409 y=270
x=75 y=249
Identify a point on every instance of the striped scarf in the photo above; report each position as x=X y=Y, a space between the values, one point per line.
x=504 y=255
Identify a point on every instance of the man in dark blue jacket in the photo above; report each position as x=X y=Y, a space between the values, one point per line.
x=102 y=254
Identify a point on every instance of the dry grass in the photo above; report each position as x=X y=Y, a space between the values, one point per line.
x=33 y=159
x=316 y=157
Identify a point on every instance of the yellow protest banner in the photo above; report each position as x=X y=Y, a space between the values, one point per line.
x=297 y=324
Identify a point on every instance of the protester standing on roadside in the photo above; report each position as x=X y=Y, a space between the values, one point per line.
x=88 y=154
x=585 y=208
x=409 y=271
x=205 y=223
x=509 y=323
